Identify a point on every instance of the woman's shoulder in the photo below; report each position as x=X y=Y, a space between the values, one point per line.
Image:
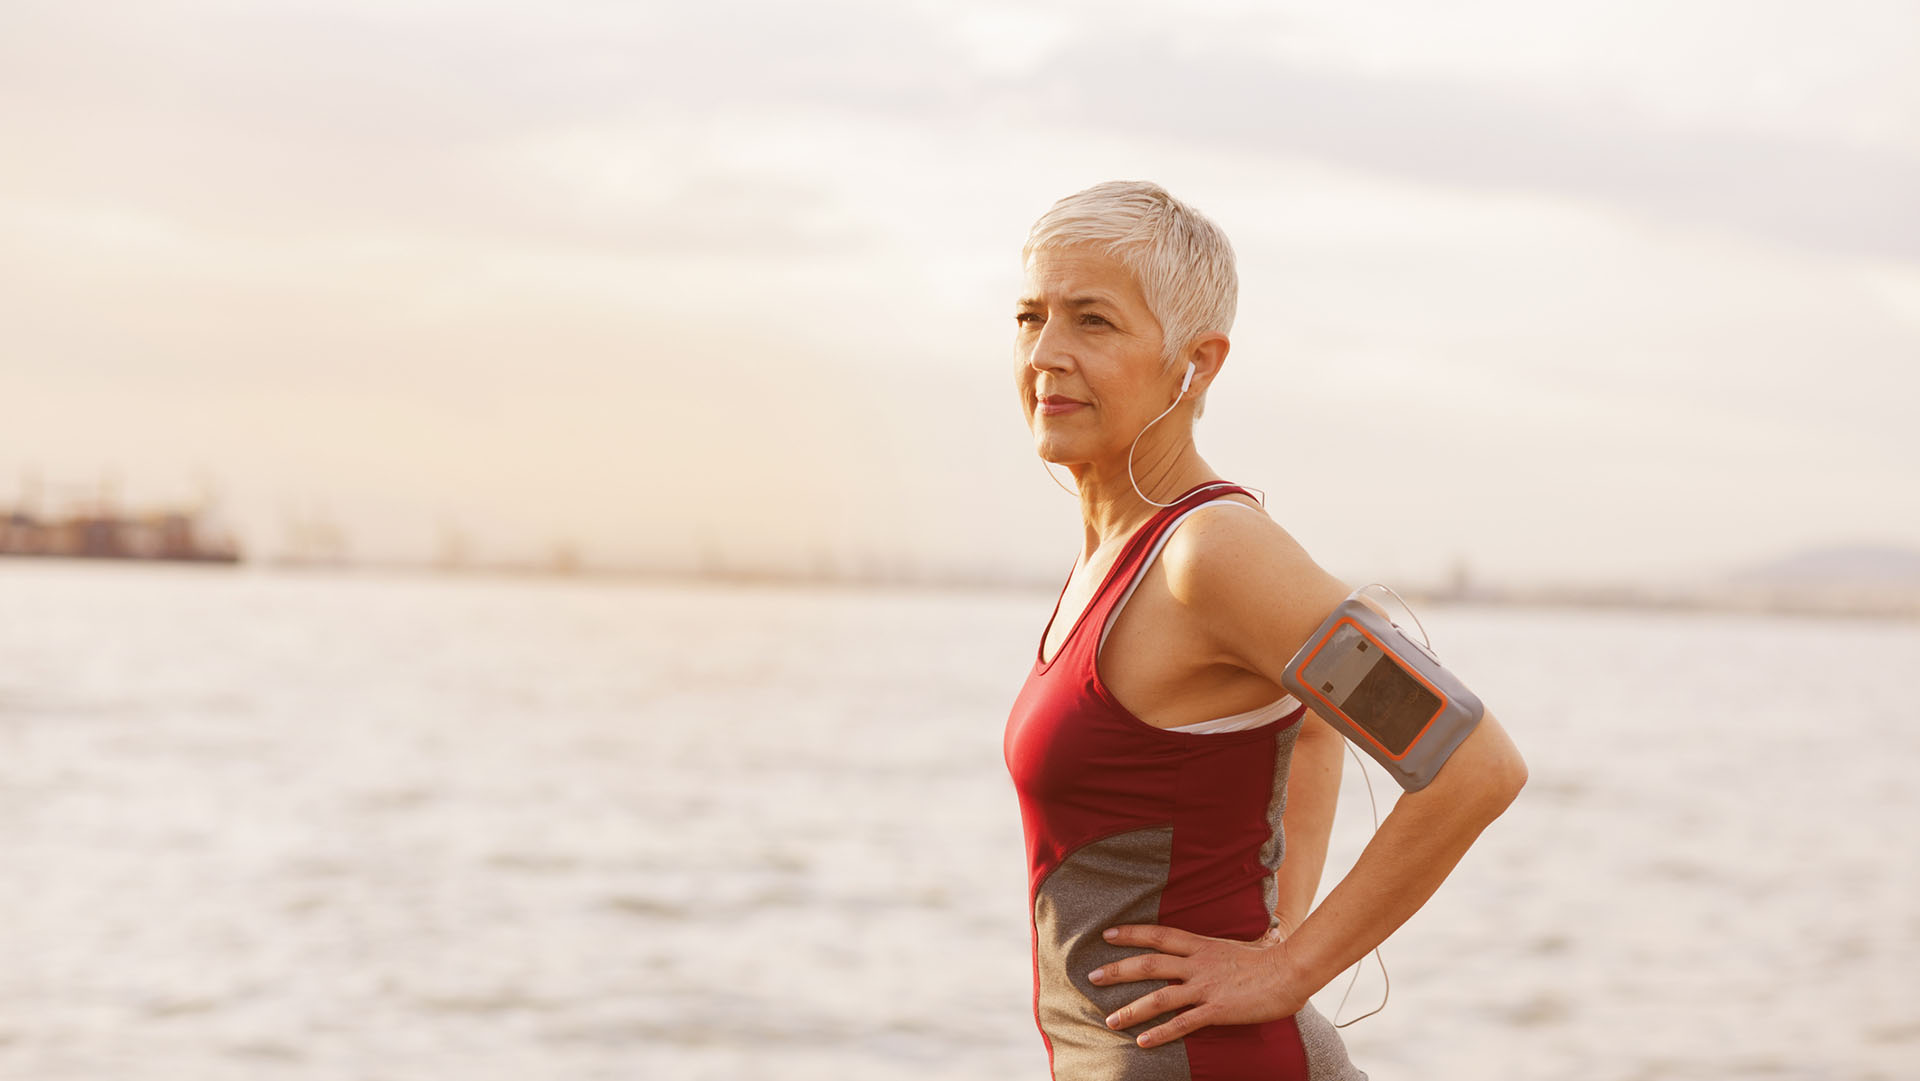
x=1247 y=580
x=1229 y=536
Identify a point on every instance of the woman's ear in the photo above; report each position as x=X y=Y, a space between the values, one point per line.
x=1206 y=356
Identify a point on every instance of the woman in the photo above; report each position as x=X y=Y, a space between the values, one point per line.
x=1162 y=771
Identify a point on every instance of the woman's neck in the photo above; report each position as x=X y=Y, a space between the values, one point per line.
x=1113 y=505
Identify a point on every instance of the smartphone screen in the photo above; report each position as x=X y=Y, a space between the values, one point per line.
x=1391 y=705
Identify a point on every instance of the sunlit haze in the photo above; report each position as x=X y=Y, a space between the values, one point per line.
x=1572 y=292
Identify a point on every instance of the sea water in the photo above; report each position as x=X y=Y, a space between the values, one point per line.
x=353 y=826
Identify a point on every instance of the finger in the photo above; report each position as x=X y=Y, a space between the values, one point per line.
x=1143 y=966
x=1150 y=1006
x=1182 y=1024
x=1165 y=939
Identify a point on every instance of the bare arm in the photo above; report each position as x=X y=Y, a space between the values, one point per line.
x=1262 y=597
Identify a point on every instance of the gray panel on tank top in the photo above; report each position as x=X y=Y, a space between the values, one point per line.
x=1102 y=884
x=1326 y=1054
x=1275 y=849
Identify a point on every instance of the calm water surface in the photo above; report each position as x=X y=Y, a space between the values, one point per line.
x=259 y=825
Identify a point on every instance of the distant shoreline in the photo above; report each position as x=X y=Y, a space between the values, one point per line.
x=1897 y=602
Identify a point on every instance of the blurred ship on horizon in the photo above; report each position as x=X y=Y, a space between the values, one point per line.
x=97 y=528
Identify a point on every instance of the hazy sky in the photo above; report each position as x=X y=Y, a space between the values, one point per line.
x=1575 y=291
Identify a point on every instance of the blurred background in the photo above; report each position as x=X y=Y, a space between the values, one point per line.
x=517 y=537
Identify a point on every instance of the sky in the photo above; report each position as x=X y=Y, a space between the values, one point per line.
x=1583 y=292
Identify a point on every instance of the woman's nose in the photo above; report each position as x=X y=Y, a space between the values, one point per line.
x=1048 y=351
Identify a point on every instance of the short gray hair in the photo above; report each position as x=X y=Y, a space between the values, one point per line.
x=1181 y=259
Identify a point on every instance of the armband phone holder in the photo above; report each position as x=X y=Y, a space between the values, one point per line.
x=1384 y=690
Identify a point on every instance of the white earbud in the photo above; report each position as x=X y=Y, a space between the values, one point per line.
x=1189 y=378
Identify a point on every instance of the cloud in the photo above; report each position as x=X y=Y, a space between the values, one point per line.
x=1823 y=195
x=399 y=114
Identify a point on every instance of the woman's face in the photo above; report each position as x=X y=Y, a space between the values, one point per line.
x=1090 y=372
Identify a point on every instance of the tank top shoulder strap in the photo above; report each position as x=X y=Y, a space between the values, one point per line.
x=1142 y=546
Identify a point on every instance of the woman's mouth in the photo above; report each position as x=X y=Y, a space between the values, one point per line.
x=1053 y=405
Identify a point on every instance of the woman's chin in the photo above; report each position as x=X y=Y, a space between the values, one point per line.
x=1054 y=454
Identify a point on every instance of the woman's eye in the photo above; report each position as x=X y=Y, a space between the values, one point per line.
x=1027 y=318
x=1094 y=320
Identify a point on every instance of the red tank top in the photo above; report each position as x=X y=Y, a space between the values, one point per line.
x=1128 y=823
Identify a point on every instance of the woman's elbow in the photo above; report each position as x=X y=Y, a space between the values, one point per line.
x=1502 y=772
x=1485 y=791
x=1490 y=783
x=1509 y=777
